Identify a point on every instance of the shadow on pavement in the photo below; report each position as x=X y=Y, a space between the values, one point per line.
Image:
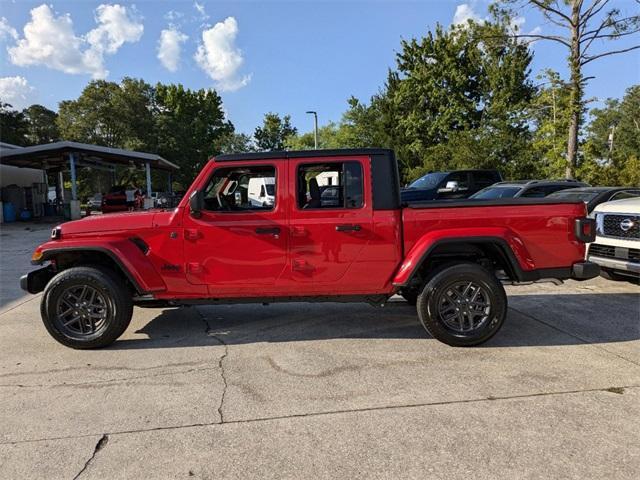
x=533 y=320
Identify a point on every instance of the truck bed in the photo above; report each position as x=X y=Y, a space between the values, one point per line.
x=540 y=232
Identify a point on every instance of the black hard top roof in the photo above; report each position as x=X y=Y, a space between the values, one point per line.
x=341 y=152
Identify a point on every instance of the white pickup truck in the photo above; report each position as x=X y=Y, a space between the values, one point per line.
x=617 y=245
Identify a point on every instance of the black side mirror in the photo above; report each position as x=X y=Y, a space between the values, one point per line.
x=196 y=203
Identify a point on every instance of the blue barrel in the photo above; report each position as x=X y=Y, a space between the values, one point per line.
x=25 y=215
x=9 y=212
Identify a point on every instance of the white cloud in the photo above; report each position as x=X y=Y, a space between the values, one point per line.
x=173 y=16
x=464 y=12
x=115 y=28
x=170 y=47
x=219 y=57
x=16 y=91
x=50 y=40
x=7 y=30
x=200 y=8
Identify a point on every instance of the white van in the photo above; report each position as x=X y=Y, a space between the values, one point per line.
x=262 y=191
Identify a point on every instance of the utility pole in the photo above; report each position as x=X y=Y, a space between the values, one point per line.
x=613 y=131
x=315 y=127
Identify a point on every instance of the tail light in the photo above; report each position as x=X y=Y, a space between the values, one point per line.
x=585 y=229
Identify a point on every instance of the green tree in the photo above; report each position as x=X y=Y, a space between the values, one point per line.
x=549 y=113
x=583 y=27
x=457 y=99
x=190 y=127
x=237 y=143
x=612 y=145
x=110 y=114
x=42 y=127
x=274 y=132
x=13 y=125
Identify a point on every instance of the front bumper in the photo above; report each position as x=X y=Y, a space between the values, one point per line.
x=616 y=264
x=585 y=270
x=34 y=282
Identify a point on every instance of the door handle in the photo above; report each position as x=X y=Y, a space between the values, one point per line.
x=268 y=230
x=348 y=228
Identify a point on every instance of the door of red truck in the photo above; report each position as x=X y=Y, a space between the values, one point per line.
x=239 y=240
x=330 y=219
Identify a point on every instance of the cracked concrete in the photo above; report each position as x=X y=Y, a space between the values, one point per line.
x=326 y=391
x=104 y=439
x=210 y=333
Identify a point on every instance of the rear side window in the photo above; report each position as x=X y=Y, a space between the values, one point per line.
x=330 y=185
x=484 y=179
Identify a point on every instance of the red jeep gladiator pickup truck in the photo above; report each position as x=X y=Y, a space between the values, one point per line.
x=333 y=229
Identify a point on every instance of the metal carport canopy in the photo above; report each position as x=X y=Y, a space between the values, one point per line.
x=58 y=156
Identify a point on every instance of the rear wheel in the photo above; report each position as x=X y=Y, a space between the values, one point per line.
x=86 y=307
x=462 y=305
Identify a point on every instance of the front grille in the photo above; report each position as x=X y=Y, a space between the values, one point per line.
x=608 y=251
x=612 y=226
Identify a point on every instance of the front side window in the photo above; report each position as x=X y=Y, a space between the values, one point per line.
x=330 y=185
x=241 y=189
x=461 y=178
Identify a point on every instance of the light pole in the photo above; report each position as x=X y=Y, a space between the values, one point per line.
x=315 y=127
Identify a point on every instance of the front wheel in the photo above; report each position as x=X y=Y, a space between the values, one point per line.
x=86 y=307
x=462 y=305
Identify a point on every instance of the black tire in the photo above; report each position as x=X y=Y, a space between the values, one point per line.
x=411 y=296
x=474 y=323
x=102 y=321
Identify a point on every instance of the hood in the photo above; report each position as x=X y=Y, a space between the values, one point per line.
x=109 y=222
x=628 y=205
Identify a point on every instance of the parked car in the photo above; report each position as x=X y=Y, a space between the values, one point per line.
x=95 y=202
x=526 y=189
x=594 y=196
x=617 y=245
x=115 y=200
x=449 y=185
x=450 y=258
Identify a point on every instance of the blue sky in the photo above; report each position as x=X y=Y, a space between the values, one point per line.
x=285 y=57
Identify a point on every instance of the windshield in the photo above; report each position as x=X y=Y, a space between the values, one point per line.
x=578 y=196
x=497 y=192
x=271 y=189
x=430 y=180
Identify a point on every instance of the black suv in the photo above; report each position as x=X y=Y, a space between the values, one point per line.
x=449 y=185
x=526 y=189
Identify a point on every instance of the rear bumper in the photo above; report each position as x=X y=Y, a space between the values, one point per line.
x=34 y=282
x=616 y=264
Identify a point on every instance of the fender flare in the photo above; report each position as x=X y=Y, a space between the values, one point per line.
x=144 y=282
x=510 y=247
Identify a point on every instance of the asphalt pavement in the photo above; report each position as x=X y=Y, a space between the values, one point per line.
x=323 y=390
